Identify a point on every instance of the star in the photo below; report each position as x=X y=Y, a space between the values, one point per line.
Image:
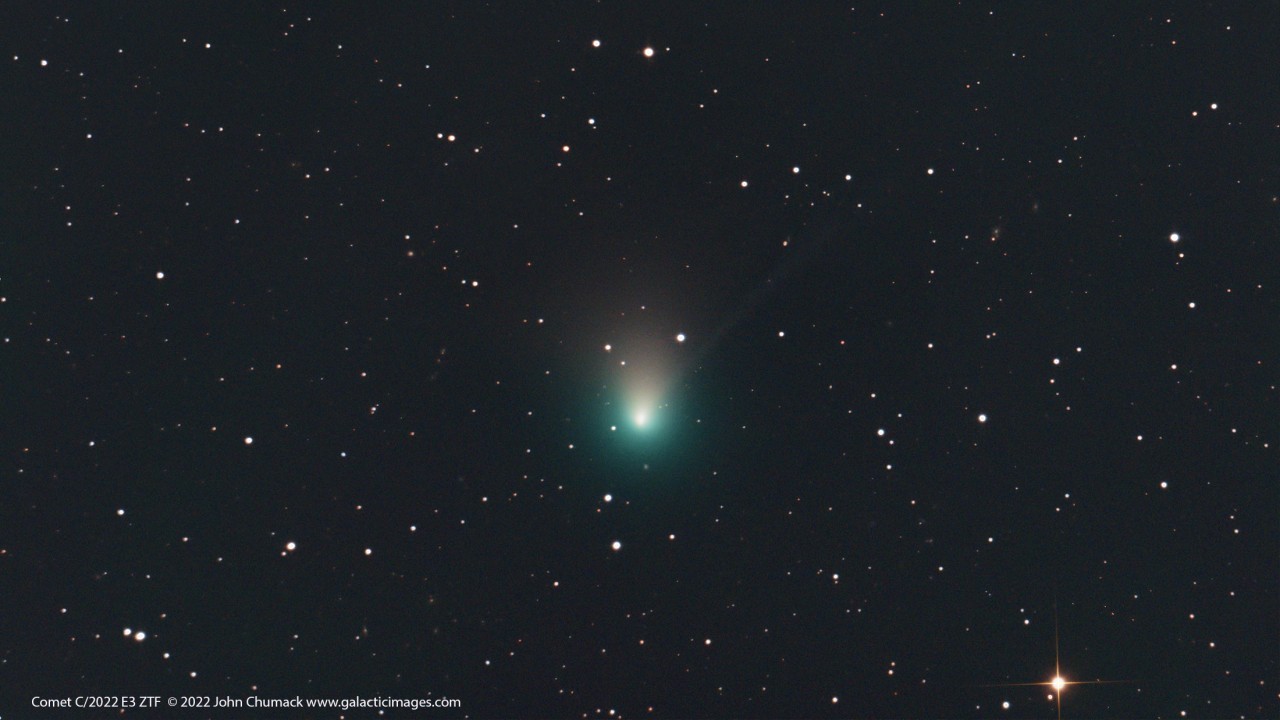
x=1057 y=682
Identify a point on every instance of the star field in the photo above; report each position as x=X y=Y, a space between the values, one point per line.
x=642 y=360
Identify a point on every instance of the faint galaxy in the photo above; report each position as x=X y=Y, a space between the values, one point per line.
x=388 y=350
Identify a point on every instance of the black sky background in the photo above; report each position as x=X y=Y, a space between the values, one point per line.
x=319 y=235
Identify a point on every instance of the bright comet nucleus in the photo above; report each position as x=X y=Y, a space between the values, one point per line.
x=644 y=383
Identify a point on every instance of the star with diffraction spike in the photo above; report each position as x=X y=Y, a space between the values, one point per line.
x=1057 y=682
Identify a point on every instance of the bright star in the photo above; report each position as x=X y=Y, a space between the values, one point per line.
x=1058 y=683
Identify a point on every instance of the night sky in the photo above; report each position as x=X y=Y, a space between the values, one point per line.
x=628 y=360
